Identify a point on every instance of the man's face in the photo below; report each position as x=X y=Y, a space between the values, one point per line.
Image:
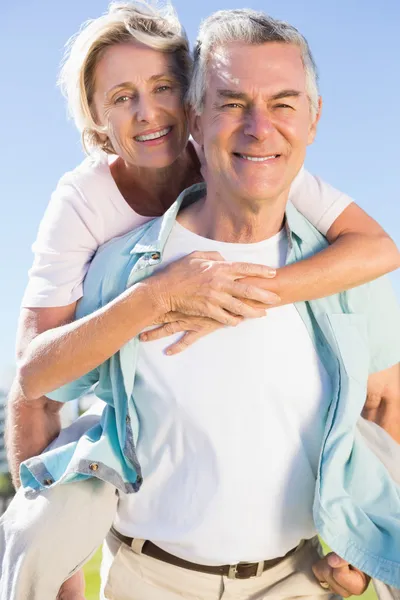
x=256 y=122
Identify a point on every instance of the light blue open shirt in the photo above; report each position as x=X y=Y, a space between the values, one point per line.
x=357 y=504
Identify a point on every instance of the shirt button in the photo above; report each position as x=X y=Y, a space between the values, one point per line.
x=139 y=480
x=48 y=481
x=93 y=466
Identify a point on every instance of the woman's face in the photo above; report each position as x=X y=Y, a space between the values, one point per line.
x=138 y=100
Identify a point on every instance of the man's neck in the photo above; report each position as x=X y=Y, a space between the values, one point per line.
x=224 y=219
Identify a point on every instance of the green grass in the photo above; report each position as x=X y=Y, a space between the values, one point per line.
x=93 y=580
x=92 y=576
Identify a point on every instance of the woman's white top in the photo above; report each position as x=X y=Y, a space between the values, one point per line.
x=87 y=209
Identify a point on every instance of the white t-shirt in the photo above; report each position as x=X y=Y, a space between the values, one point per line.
x=230 y=431
x=87 y=209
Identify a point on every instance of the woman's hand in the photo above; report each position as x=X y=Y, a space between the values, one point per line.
x=203 y=284
x=193 y=328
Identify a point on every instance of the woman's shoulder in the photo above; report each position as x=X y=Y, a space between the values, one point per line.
x=91 y=176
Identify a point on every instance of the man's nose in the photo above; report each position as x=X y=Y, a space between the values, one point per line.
x=145 y=110
x=258 y=124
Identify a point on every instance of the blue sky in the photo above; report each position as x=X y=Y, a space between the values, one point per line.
x=356 y=46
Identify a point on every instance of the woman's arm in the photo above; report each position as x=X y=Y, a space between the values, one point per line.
x=360 y=251
x=60 y=350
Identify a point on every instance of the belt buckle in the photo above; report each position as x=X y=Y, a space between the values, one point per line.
x=233 y=570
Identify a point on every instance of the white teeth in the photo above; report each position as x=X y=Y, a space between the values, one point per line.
x=258 y=158
x=153 y=136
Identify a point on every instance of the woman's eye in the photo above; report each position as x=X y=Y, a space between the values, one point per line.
x=121 y=99
x=232 y=105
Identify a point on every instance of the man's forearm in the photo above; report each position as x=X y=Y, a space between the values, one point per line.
x=31 y=427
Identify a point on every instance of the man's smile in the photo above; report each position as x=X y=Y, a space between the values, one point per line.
x=253 y=158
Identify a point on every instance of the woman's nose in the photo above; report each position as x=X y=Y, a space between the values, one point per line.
x=145 y=110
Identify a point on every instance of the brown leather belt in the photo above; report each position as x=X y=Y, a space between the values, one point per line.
x=242 y=570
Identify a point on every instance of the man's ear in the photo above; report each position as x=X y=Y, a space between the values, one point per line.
x=195 y=126
x=314 y=125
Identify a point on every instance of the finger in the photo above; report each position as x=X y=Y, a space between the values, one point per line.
x=252 y=292
x=224 y=317
x=251 y=269
x=240 y=308
x=346 y=575
x=321 y=570
x=335 y=561
x=218 y=308
x=188 y=339
x=324 y=573
x=167 y=317
x=352 y=580
x=172 y=316
x=163 y=331
x=215 y=310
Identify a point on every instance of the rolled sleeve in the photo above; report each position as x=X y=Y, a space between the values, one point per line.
x=75 y=389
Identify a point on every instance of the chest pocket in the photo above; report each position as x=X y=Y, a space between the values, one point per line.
x=351 y=337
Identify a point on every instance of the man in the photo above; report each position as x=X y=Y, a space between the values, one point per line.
x=232 y=442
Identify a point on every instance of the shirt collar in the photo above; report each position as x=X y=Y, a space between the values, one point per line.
x=158 y=232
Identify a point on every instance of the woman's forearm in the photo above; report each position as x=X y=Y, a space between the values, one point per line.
x=65 y=353
x=198 y=284
x=352 y=260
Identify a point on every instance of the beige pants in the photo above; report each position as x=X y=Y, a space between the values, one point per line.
x=127 y=575
x=44 y=540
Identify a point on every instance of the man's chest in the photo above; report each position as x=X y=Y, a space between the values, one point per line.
x=267 y=364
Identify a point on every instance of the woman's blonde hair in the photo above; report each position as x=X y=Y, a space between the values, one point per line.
x=156 y=27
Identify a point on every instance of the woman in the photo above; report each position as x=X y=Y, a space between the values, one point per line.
x=125 y=77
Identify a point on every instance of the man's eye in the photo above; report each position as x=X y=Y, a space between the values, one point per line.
x=283 y=106
x=163 y=88
x=232 y=105
x=121 y=99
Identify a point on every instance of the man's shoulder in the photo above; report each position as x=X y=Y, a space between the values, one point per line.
x=310 y=239
x=108 y=269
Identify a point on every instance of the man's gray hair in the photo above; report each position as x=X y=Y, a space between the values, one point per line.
x=253 y=28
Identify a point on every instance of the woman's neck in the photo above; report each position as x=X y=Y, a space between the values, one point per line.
x=150 y=192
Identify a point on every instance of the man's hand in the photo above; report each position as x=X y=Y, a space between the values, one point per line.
x=73 y=588
x=339 y=576
x=383 y=401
